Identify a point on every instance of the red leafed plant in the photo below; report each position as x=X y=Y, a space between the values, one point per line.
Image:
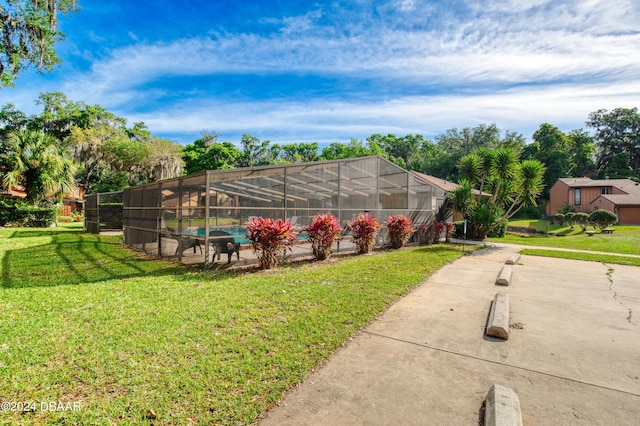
x=269 y=237
x=439 y=228
x=323 y=231
x=449 y=233
x=364 y=229
x=400 y=230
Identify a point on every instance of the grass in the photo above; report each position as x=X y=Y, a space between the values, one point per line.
x=625 y=239
x=142 y=341
x=590 y=257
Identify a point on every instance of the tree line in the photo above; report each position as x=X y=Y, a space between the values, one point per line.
x=70 y=142
x=611 y=150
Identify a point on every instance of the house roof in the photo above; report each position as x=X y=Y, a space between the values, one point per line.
x=588 y=182
x=623 y=199
x=629 y=187
x=445 y=185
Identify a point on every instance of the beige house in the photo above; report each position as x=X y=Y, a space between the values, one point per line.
x=620 y=196
x=72 y=202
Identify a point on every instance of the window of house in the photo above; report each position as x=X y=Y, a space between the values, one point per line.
x=606 y=190
x=576 y=196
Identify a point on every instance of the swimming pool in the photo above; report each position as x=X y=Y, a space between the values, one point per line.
x=239 y=234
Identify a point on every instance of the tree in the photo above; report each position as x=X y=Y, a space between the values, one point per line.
x=37 y=162
x=466 y=140
x=124 y=155
x=87 y=145
x=511 y=183
x=294 y=153
x=616 y=132
x=164 y=159
x=28 y=30
x=602 y=218
x=458 y=143
x=254 y=152
x=11 y=119
x=433 y=160
x=581 y=150
x=552 y=152
x=355 y=148
x=404 y=148
x=618 y=168
x=139 y=132
x=208 y=154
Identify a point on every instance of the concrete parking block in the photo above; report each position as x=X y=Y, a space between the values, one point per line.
x=502 y=407
x=504 y=278
x=498 y=325
x=513 y=259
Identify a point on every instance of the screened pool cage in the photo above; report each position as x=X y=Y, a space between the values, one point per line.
x=202 y=218
x=103 y=212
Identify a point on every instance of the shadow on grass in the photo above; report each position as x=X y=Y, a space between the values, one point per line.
x=566 y=232
x=73 y=258
x=43 y=232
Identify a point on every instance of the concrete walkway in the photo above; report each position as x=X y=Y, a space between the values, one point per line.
x=573 y=355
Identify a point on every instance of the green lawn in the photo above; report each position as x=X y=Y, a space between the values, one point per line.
x=84 y=320
x=590 y=257
x=624 y=240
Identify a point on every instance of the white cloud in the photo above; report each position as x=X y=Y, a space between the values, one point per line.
x=517 y=63
x=520 y=110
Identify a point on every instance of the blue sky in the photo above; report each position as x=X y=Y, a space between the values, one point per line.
x=298 y=71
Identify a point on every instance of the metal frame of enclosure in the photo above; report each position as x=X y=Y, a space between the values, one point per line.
x=103 y=212
x=184 y=217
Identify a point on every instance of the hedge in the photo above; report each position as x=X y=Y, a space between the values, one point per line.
x=20 y=213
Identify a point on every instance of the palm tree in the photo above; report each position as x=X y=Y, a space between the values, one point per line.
x=512 y=184
x=38 y=163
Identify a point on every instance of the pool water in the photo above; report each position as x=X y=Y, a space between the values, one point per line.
x=239 y=234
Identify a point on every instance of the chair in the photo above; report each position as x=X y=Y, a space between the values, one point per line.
x=223 y=242
x=294 y=223
x=184 y=242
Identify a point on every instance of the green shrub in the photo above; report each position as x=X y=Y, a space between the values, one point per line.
x=364 y=229
x=567 y=208
x=458 y=229
x=499 y=231
x=560 y=218
x=20 y=213
x=400 y=230
x=602 y=218
x=581 y=219
x=323 y=231
x=568 y=217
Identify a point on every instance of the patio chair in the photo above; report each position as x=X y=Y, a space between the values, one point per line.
x=223 y=242
x=294 y=223
x=187 y=243
x=184 y=242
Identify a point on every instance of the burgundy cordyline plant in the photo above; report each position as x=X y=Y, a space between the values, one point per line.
x=439 y=228
x=400 y=230
x=449 y=232
x=323 y=231
x=364 y=229
x=269 y=237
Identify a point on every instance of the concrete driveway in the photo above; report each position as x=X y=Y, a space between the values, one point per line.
x=573 y=355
